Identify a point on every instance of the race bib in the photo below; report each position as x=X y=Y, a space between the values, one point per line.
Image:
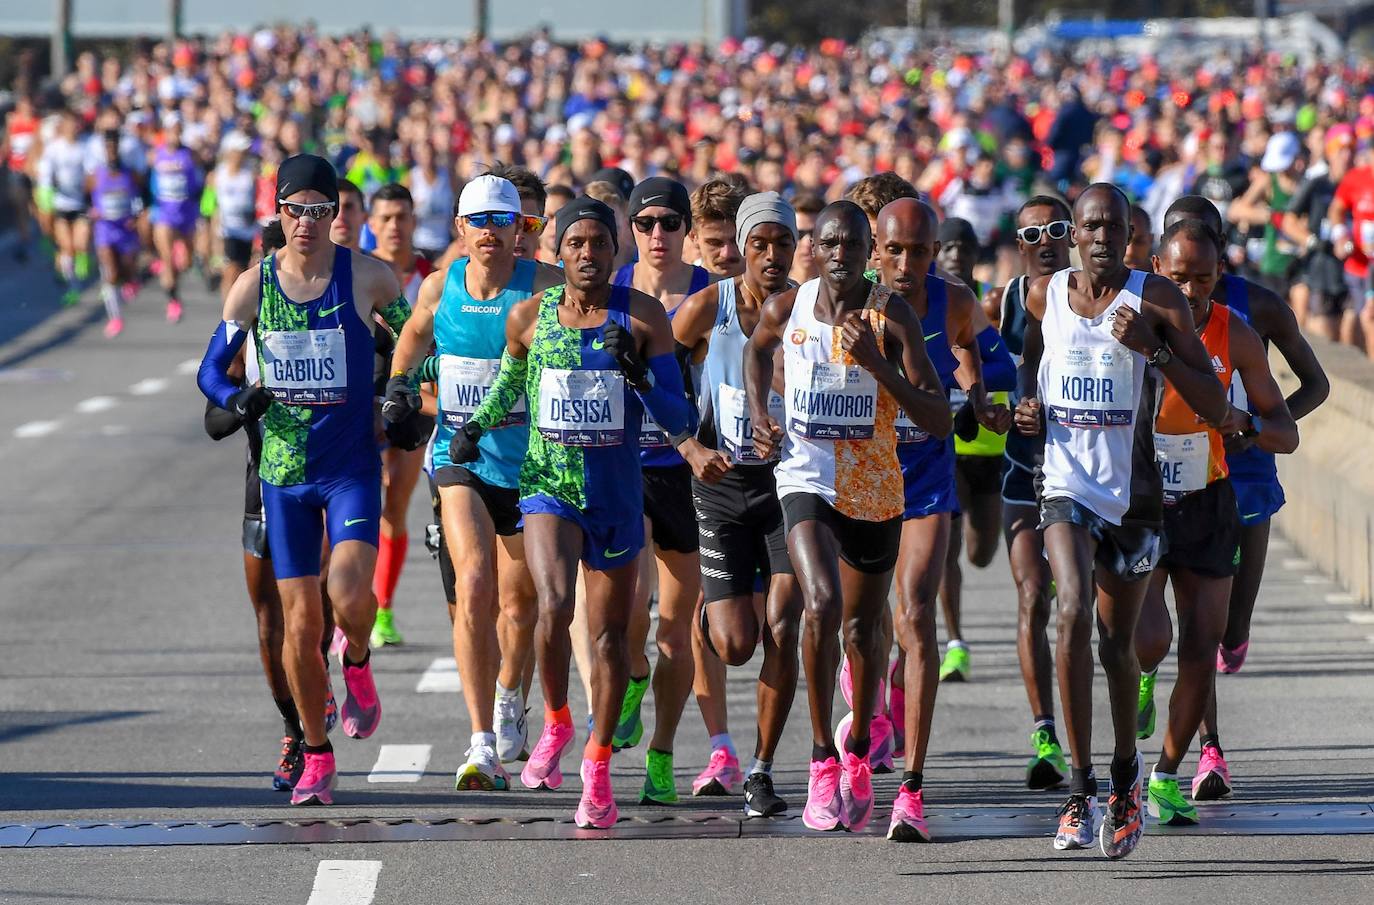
x=115 y=206
x=736 y=427
x=582 y=408
x=305 y=367
x=1236 y=393
x=1092 y=386
x=1183 y=460
x=828 y=401
x=172 y=186
x=907 y=431
x=464 y=383
x=651 y=436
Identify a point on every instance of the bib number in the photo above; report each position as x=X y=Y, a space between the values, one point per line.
x=736 y=427
x=1183 y=460
x=306 y=367
x=172 y=186
x=115 y=206
x=828 y=401
x=583 y=407
x=1092 y=386
x=463 y=385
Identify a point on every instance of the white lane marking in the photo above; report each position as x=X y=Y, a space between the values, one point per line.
x=1296 y=565
x=441 y=676
x=188 y=367
x=1341 y=599
x=400 y=763
x=149 y=386
x=114 y=430
x=35 y=429
x=1361 y=618
x=96 y=404
x=1315 y=579
x=345 y=883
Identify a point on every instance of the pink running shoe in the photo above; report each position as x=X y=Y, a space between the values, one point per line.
x=908 y=818
x=881 y=745
x=896 y=711
x=316 y=785
x=856 y=792
x=542 y=770
x=113 y=327
x=339 y=644
x=1213 y=779
x=362 y=709
x=823 y=803
x=596 y=810
x=173 y=312
x=1230 y=660
x=722 y=775
x=128 y=292
x=847 y=687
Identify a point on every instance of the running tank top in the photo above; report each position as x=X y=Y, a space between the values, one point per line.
x=724 y=407
x=433 y=209
x=235 y=196
x=112 y=195
x=1253 y=465
x=1022 y=451
x=315 y=358
x=583 y=441
x=1191 y=455
x=22 y=131
x=174 y=177
x=840 y=439
x=655 y=451
x=925 y=458
x=67 y=161
x=1099 y=407
x=469 y=337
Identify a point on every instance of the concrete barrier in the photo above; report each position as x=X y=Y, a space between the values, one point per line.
x=1329 y=481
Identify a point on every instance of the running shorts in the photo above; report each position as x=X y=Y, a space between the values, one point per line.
x=1202 y=532
x=605 y=546
x=668 y=506
x=296 y=516
x=503 y=503
x=740 y=528
x=1130 y=552
x=869 y=547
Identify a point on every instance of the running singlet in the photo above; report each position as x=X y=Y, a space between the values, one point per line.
x=654 y=449
x=469 y=336
x=433 y=209
x=112 y=197
x=1099 y=408
x=723 y=383
x=234 y=193
x=315 y=358
x=1252 y=465
x=915 y=447
x=1191 y=455
x=22 y=132
x=840 y=439
x=66 y=162
x=1021 y=451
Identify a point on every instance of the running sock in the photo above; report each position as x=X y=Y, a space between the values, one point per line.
x=82 y=265
x=110 y=296
x=1158 y=775
x=760 y=766
x=561 y=716
x=911 y=780
x=595 y=752
x=326 y=748
x=391 y=557
x=1123 y=774
x=723 y=741
x=67 y=268
x=1083 y=781
x=171 y=293
x=1213 y=740
x=820 y=753
x=1046 y=723
x=290 y=717
x=859 y=747
x=956 y=645
x=349 y=664
x=479 y=739
x=504 y=692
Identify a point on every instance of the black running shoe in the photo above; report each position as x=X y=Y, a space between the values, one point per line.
x=759 y=798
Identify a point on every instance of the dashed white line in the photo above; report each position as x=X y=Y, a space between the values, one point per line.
x=1296 y=565
x=345 y=883
x=1342 y=599
x=1315 y=579
x=400 y=763
x=35 y=429
x=149 y=386
x=188 y=367
x=1361 y=618
x=115 y=430
x=442 y=676
x=96 y=404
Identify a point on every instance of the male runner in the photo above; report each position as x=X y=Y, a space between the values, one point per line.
x=739 y=518
x=1253 y=473
x=234 y=182
x=533 y=197
x=1140 y=250
x=713 y=206
x=808 y=206
x=660 y=212
x=319 y=461
x=1042 y=239
x=63 y=170
x=391 y=218
x=851 y=352
x=113 y=190
x=586 y=380
x=176 y=187
x=348 y=220
x=462 y=312
x=1201 y=523
x=1089 y=335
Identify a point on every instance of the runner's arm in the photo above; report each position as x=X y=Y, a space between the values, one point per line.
x=240 y=312
x=417 y=336
x=509 y=384
x=915 y=386
x=1027 y=417
x=694 y=319
x=1277 y=430
x=1168 y=321
x=1273 y=318
x=665 y=398
x=383 y=291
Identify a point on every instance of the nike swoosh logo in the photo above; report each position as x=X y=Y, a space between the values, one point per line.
x=349 y=523
x=609 y=555
x=995 y=347
x=1250 y=515
x=598 y=344
x=933 y=335
x=328 y=311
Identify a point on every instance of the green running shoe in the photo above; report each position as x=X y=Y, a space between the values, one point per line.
x=384 y=630
x=954 y=668
x=630 y=728
x=71 y=297
x=1145 y=707
x=1167 y=804
x=1047 y=769
x=659 y=787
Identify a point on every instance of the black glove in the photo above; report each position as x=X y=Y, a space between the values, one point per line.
x=250 y=403
x=966 y=422
x=401 y=400
x=411 y=432
x=620 y=345
x=463 y=447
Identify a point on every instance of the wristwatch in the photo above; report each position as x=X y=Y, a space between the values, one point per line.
x=1161 y=357
x=1254 y=429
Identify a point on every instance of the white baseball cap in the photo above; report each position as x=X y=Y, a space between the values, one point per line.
x=1281 y=151
x=237 y=141
x=488 y=193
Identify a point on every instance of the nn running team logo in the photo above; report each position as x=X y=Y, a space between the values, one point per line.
x=798 y=336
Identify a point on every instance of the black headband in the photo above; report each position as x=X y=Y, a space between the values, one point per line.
x=584 y=208
x=306 y=172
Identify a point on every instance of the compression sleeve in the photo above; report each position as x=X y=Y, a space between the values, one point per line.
x=506 y=389
x=395 y=314
x=999 y=371
x=213 y=376
x=666 y=400
x=428 y=371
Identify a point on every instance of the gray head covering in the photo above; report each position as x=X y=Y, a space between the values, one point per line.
x=763 y=207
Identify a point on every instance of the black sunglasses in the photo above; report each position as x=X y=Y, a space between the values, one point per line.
x=671 y=223
x=1056 y=230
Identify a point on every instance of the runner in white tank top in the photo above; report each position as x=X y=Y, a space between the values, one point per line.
x=1089 y=334
x=848 y=348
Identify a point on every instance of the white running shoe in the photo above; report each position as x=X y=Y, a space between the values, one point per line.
x=512 y=731
x=482 y=772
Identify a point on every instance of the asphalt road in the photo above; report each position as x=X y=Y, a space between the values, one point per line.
x=133 y=712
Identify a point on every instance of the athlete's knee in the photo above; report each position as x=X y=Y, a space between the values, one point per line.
x=822 y=617
x=1033 y=603
x=1116 y=654
x=982 y=548
x=785 y=630
x=1075 y=619
x=610 y=643
x=861 y=633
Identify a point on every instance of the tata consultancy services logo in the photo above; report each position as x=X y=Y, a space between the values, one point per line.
x=798 y=336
